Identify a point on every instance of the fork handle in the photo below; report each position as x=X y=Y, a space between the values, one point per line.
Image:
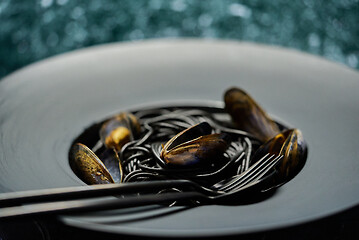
x=80 y=192
x=85 y=205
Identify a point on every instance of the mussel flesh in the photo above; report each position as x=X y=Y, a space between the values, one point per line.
x=119 y=130
x=248 y=115
x=195 y=146
x=291 y=144
x=88 y=166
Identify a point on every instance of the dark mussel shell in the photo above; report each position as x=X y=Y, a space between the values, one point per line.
x=195 y=146
x=291 y=144
x=248 y=115
x=110 y=158
x=87 y=166
x=119 y=130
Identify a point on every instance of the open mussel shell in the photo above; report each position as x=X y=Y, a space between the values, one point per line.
x=119 y=130
x=292 y=146
x=247 y=115
x=195 y=146
x=87 y=166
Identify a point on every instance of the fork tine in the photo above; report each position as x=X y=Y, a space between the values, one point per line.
x=257 y=177
x=257 y=173
x=260 y=167
x=246 y=173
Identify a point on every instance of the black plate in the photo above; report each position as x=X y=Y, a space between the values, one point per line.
x=46 y=105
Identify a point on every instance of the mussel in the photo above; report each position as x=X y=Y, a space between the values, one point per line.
x=291 y=144
x=248 y=115
x=195 y=146
x=119 y=130
x=110 y=158
x=87 y=165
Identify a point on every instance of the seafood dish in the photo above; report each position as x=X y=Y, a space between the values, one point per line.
x=229 y=150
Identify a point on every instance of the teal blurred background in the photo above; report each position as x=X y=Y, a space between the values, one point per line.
x=34 y=30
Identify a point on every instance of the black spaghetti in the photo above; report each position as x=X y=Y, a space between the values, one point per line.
x=200 y=144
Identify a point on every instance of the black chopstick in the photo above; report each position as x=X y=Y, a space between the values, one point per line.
x=85 y=205
x=80 y=192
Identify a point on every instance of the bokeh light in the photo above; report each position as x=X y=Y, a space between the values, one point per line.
x=34 y=30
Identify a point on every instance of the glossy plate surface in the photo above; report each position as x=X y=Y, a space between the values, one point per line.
x=45 y=106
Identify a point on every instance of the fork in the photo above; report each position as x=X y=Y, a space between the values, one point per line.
x=252 y=174
x=190 y=191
